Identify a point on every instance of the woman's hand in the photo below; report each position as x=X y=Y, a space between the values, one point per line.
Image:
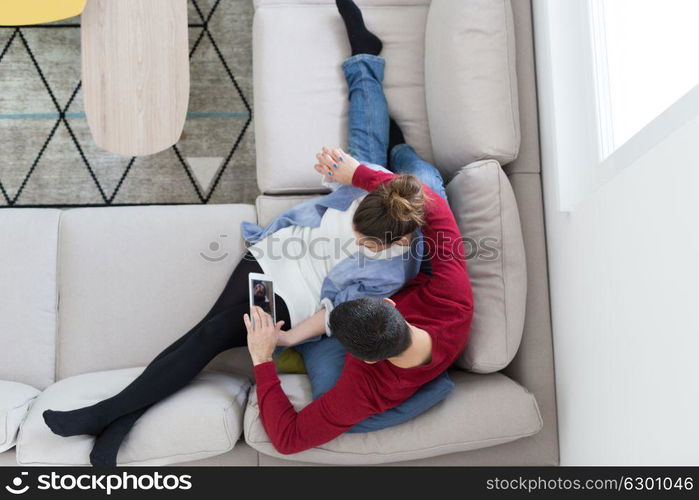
x=262 y=338
x=287 y=338
x=336 y=165
x=306 y=329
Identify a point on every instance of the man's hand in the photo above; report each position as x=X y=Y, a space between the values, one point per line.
x=336 y=165
x=262 y=338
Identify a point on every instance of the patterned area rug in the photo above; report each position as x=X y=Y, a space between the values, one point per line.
x=48 y=157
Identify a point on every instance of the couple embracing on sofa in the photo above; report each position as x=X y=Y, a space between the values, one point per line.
x=376 y=297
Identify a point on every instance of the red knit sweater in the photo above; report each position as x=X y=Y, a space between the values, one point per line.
x=441 y=304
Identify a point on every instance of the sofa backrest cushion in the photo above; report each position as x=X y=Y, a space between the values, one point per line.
x=471 y=82
x=28 y=301
x=449 y=60
x=486 y=210
x=301 y=99
x=134 y=279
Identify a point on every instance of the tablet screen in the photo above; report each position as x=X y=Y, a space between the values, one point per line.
x=262 y=295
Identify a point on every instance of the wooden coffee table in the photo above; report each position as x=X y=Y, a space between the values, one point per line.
x=135 y=68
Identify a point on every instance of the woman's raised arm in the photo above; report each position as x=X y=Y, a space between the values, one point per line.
x=336 y=165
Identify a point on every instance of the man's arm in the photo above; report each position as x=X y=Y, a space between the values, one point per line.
x=321 y=421
x=324 y=419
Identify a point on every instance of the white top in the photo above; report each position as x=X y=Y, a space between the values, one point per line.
x=299 y=258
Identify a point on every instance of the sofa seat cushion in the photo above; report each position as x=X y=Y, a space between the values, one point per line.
x=201 y=420
x=482 y=410
x=15 y=400
x=269 y=207
x=28 y=298
x=301 y=98
x=485 y=209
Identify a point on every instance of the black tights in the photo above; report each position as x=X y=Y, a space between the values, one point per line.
x=221 y=329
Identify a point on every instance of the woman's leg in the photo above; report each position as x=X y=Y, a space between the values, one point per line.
x=368 y=110
x=231 y=305
x=107 y=443
x=372 y=132
x=106 y=447
x=364 y=71
x=161 y=378
x=404 y=160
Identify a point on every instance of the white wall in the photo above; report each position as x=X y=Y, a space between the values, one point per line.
x=624 y=270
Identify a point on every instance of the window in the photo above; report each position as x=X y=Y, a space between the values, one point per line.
x=615 y=78
x=645 y=58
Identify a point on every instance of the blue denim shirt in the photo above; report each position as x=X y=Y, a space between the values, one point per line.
x=355 y=276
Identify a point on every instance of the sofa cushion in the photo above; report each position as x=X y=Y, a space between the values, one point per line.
x=269 y=207
x=301 y=98
x=201 y=420
x=485 y=208
x=483 y=410
x=15 y=400
x=134 y=279
x=471 y=82
x=28 y=300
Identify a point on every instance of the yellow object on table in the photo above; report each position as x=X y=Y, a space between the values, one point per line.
x=23 y=12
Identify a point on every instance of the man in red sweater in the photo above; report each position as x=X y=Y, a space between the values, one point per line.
x=430 y=318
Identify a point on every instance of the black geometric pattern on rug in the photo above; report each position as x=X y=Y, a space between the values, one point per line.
x=64 y=118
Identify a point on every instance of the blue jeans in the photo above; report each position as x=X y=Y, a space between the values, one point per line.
x=369 y=123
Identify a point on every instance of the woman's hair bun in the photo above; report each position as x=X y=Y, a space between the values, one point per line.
x=393 y=210
x=405 y=200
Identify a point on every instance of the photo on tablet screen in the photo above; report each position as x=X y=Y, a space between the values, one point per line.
x=262 y=295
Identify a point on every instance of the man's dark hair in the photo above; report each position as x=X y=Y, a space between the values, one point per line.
x=370 y=329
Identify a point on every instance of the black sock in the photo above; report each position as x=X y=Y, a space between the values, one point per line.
x=395 y=137
x=106 y=448
x=88 y=420
x=361 y=39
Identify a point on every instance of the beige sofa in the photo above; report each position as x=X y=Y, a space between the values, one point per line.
x=89 y=296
